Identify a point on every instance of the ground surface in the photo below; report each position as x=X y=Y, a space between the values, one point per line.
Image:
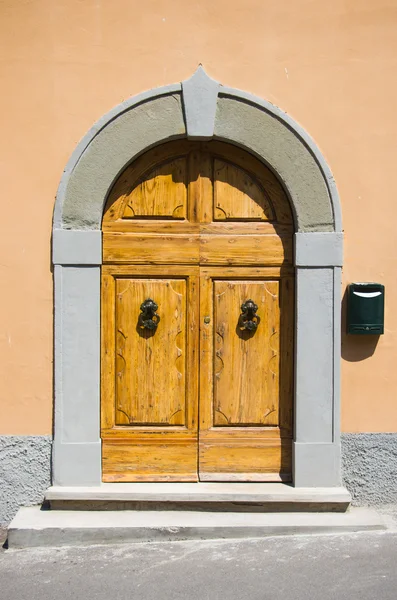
x=343 y=567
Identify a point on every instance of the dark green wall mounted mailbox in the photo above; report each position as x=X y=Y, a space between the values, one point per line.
x=365 y=308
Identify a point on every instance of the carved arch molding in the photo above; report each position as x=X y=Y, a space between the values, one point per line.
x=198 y=109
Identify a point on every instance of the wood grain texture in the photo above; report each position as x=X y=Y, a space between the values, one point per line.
x=200 y=186
x=150 y=249
x=161 y=193
x=168 y=226
x=244 y=228
x=260 y=477
x=157 y=169
x=259 y=173
x=207 y=173
x=244 y=456
x=287 y=332
x=151 y=365
x=149 y=380
x=238 y=196
x=245 y=408
x=183 y=213
x=270 y=249
x=245 y=249
x=146 y=459
x=248 y=462
x=108 y=350
x=246 y=363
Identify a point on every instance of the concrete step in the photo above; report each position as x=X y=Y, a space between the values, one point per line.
x=33 y=527
x=232 y=497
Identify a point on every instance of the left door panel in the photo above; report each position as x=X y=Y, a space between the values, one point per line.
x=149 y=373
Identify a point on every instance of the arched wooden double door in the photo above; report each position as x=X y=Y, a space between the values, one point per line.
x=198 y=383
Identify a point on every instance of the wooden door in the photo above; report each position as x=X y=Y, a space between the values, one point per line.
x=200 y=386
x=245 y=375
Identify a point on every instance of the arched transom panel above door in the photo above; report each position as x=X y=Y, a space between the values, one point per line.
x=197 y=319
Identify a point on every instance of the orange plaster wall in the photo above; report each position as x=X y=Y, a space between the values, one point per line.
x=330 y=65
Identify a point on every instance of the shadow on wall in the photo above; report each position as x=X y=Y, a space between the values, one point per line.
x=356 y=347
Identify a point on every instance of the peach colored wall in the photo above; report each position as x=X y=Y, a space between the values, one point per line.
x=330 y=65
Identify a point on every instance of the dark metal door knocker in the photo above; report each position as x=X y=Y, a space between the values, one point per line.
x=149 y=319
x=249 y=319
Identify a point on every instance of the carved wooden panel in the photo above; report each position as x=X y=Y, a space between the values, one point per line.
x=149 y=384
x=238 y=196
x=150 y=363
x=246 y=362
x=182 y=183
x=160 y=193
x=246 y=374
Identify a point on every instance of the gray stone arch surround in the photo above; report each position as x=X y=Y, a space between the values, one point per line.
x=199 y=108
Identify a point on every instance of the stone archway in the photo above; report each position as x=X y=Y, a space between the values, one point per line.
x=201 y=109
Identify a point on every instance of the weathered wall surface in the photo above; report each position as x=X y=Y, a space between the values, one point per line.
x=25 y=472
x=331 y=66
x=369 y=464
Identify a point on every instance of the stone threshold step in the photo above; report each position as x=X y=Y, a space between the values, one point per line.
x=33 y=527
x=258 y=497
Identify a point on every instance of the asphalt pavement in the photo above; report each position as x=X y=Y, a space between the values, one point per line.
x=360 y=566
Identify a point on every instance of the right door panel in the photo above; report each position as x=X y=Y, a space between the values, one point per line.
x=245 y=374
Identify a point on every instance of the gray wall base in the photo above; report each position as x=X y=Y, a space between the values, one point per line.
x=316 y=465
x=77 y=464
x=25 y=472
x=369 y=463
